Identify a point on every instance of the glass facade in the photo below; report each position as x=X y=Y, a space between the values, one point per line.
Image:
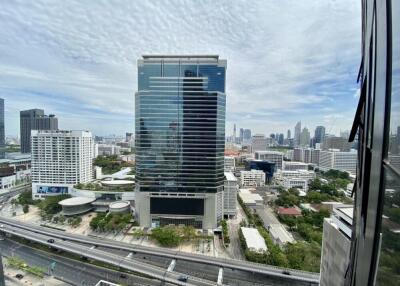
x=180 y=124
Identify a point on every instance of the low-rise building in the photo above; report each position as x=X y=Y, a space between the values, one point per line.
x=231 y=189
x=252 y=178
x=254 y=241
x=108 y=149
x=280 y=235
x=293 y=211
x=250 y=199
x=298 y=183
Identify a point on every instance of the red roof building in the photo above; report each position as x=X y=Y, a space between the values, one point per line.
x=295 y=211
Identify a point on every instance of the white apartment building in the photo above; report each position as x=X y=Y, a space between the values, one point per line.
x=336 y=244
x=294 y=166
x=231 y=189
x=298 y=183
x=253 y=178
x=229 y=164
x=334 y=159
x=60 y=160
x=270 y=156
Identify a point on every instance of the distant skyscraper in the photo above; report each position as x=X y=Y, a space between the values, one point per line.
x=2 y=134
x=289 y=134
x=319 y=135
x=180 y=132
x=247 y=135
x=305 y=137
x=234 y=133
x=281 y=139
x=297 y=132
x=34 y=119
x=128 y=136
x=241 y=135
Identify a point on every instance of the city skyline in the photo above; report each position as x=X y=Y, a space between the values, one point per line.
x=82 y=68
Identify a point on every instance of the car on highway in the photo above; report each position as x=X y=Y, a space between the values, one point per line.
x=1 y=225
x=50 y=240
x=183 y=278
x=286 y=272
x=123 y=276
x=19 y=276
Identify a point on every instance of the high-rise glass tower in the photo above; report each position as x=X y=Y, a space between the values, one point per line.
x=297 y=132
x=319 y=134
x=180 y=140
x=34 y=119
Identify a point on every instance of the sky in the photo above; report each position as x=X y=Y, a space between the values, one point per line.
x=287 y=60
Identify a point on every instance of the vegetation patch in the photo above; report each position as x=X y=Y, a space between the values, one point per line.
x=110 y=222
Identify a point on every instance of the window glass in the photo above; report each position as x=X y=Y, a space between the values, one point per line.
x=394 y=140
x=389 y=259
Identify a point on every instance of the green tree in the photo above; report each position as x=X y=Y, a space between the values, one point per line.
x=25 y=209
x=166 y=236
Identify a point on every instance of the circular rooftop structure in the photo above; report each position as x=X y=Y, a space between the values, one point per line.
x=76 y=205
x=76 y=201
x=120 y=206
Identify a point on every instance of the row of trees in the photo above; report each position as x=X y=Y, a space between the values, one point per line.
x=111 y=164
x=110 y=222
x=225 y=232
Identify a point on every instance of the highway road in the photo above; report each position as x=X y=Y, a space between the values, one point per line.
x=110 y=258
x=71 y=271
x=235 y=271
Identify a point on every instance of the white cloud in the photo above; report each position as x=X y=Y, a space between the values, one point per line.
x=286 y=59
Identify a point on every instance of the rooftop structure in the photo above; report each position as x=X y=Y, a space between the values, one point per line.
x=76 y=205
x=254 y=241
x=294 y=211
x=280 y=235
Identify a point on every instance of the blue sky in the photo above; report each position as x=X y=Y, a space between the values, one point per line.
x=287 y=60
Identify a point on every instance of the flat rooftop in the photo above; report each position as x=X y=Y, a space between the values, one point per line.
x=254 y=240
x=76 y=201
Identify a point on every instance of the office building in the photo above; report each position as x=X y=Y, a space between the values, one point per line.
x=297 y=133
x=305 y=137
x=270 y=156
x=319 y=135
x=229 y=164
x=342 y=161
x=231 y=188
x=289 y=134
x=298 y=154
x=34 y=119
x=60 y=160
x=180 y=140
x=336 y=243
x=252 y=178
x=333 y=142
x=266 y=166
